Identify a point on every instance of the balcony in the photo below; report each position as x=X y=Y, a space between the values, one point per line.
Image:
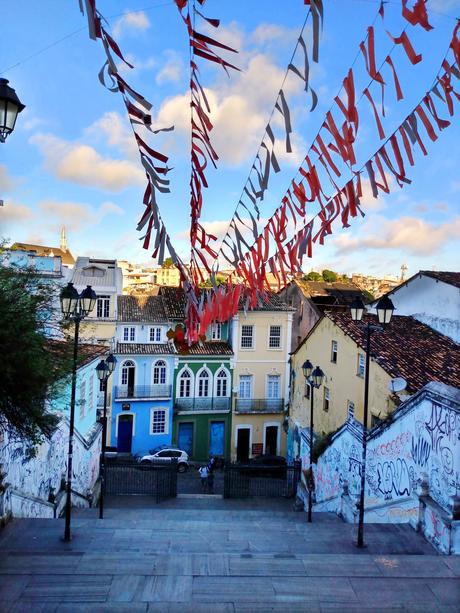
x=144 y=392
x=259 y=405
x=202 y=404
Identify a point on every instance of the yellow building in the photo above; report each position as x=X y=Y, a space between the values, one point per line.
x=406 y=349
x=261 y=341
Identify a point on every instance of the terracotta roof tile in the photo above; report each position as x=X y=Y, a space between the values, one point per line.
x=407 y=348
x=145 y=349
x=210 y=348
x=142 y=309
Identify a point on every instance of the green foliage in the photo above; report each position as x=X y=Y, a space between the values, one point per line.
x=313 y=276
x=208 y=283
x=167 y=263
x=329 y=276
x=368 y=296
x=34 y=369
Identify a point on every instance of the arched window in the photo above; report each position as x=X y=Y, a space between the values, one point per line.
x=185 y=384
x=222 y=383
x=203 y=384
x=159 y=373
x=127 y=372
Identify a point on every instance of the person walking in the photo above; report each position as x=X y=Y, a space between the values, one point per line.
x=210 y=467
x=204 y=473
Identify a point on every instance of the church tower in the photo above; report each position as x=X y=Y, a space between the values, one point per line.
x=63 y=240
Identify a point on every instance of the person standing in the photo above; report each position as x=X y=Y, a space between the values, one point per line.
x=204 y=474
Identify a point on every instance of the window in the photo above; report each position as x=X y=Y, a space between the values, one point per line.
x=185 y=384
x=273 y=387
x=91 y=393
x=307 y=390
x=203 y=384
x=159 y=424
x=245 y=386
x=326 y=399
x=129 y=334
x=159 y=373
x=334 y=352
x=155 y=335
x=216 y=331
x=274 y=339
x=361 y=365
x=221 y=383
x=103 y=306
x=127 y=367
x=82 y=398
x=246 y=337
x=350 y=409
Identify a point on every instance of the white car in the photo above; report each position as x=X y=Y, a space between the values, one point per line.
x=165 y=455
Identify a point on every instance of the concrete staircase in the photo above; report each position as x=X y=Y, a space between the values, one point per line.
x=214 y=555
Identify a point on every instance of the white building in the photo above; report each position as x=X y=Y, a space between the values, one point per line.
x=433 y=298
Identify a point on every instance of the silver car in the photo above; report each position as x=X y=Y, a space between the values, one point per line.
x=165 y=455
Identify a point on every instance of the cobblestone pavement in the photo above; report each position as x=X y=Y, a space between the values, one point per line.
x=210 y=555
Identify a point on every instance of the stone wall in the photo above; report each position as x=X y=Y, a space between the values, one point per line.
x=33 y=476
x=412 y=467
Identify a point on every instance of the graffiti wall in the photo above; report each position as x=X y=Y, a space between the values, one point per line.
x=34 y=475
x=421 y=444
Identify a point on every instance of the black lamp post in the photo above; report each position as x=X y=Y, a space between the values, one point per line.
x=75 y=307
x=385 y=310
x=314 y=377
x=103 y=370
x=10 y=106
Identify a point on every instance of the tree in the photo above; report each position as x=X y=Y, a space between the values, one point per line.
x=34 y=367
x=313 y=276
x=329 y=276
x=167 y=263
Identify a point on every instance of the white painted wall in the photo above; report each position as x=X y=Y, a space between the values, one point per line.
x=434 y=303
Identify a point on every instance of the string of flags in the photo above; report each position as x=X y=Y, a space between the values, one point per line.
x=329 y=179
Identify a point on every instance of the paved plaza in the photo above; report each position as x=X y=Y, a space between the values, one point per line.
x=206 y=554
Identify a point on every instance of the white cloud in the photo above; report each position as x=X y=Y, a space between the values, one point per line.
x=131 y=21
x=172 y=70
x=76 y=214
x=82 y=164
x=267 y=32
x=117 y=132
x=12 y=212
x=408 y=234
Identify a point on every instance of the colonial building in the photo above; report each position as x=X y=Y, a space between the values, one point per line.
x=432 y=297
x=106 y=279
x=311 y=298
x=43 y=250
x=406 y=349
x=142 y=383
x=261 y=341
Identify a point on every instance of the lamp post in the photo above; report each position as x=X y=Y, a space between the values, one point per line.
x=314 y=377
x=75 y=307
x=385 y=310
x=10 y=106
x=103 y=370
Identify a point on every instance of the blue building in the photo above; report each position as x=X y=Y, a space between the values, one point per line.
x=142 y=383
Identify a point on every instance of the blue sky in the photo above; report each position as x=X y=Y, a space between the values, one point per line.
x=72 y=161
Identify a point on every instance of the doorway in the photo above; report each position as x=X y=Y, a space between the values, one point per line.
x=271 y=440
x=185 y=437
x=125 y=433
x=242 y=444
x=217 y=438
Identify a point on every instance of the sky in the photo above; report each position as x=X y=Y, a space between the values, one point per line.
x=72 y=159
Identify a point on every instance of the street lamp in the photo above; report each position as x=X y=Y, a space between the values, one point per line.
x=385 y=310
x=10 y=106
x=103 y=370
x=314 y=377
x=74 y=307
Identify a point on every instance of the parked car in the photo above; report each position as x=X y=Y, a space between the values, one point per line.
x=268 y=466
x=162 y=455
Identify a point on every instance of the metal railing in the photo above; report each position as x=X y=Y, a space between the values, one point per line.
x=259 y=405
x=202 y=404
x=142 y=391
